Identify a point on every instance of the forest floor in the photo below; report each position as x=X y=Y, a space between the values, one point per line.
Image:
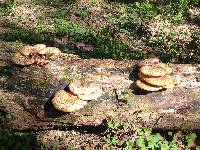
x=169 y=30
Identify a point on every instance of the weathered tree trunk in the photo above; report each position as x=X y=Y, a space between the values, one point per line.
x=26 y=92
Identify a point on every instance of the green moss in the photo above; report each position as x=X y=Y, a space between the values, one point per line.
x=67 y=76
x=39 y=83
x=127 y=69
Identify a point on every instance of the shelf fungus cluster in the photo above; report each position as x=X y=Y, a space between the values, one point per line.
x=154 y=76
x=76 y=97
x=38 y=54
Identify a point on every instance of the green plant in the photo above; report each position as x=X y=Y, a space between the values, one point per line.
x=63 y=14
x=197 y=18
x=70 y=147
x=112 y=140
x=130 y=145
x=107 y=46
x=5 y=116
x=8 y=5
x=147 y=8
x=64 y=27
x=197 y=148
x=126 y=125
x=20 y=35
x=190 y=138
x=146 y=140
x=131 y=25
x=82 y=12
x=40 y=18
x=15 y=140
x=62 y=137
x=95 y=1
x=43 y=146
x=112 y=17
x=177 y=9
x=167 y=47
x=59 y=3
x=113 y=123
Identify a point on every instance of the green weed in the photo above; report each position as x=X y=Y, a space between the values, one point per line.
x=177 y=9
x=64 y=27
x=63 y=14
x=130 y=145
x=43 y=146
x=190 y=138
x=146 y=8
x=5 y=116
x=107 y=46
x=8 y=5
x=18 y=34
x=167 y=47
x=95 y=1
x=111 y=141
x=82 y=12
x=16 y=140
x=197 y=18
x=126 y=125
x=131 y=25
x=146 y=140
x=70 y=147
x=113 y=124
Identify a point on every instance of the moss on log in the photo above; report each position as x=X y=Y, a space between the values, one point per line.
x=26 y=92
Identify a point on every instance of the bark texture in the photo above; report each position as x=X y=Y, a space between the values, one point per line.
x=26 y=93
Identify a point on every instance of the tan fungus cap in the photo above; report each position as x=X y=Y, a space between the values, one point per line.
x=49 y=50
x=18 y=59
x=67 y=102
x=85 y=92
x=26 y=50
x=166 y=81
x=155 y=71
x=147 y=87
x=39 y=47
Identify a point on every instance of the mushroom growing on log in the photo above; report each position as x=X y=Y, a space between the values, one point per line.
x=26 y=93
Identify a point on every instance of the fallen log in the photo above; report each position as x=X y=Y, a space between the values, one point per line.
x=26 y=93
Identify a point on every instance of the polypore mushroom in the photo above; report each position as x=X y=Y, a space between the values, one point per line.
x=39 y=47
x=147 y=87
x=155 y=71
x=67 y=102
x=165 y=81
x=20 y=59
x=86 y=91
x=154 y=76
x=26 y=50
x=49 y=50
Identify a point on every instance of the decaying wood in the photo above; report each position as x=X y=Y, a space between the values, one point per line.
x=26 y=92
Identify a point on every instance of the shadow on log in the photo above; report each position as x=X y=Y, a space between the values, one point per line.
x=26 y=93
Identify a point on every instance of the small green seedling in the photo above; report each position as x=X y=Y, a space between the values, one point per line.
x=113 y=124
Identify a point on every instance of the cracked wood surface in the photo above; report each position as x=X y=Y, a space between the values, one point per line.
x=26 y=92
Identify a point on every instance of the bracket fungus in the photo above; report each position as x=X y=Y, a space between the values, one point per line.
x=76 y=98
x=86 y=91
x=154 y=76
x=20 y=59
x=147 y=87
x=26 y=50
x=49 y=50
x=67 y=102
x=38 y=53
